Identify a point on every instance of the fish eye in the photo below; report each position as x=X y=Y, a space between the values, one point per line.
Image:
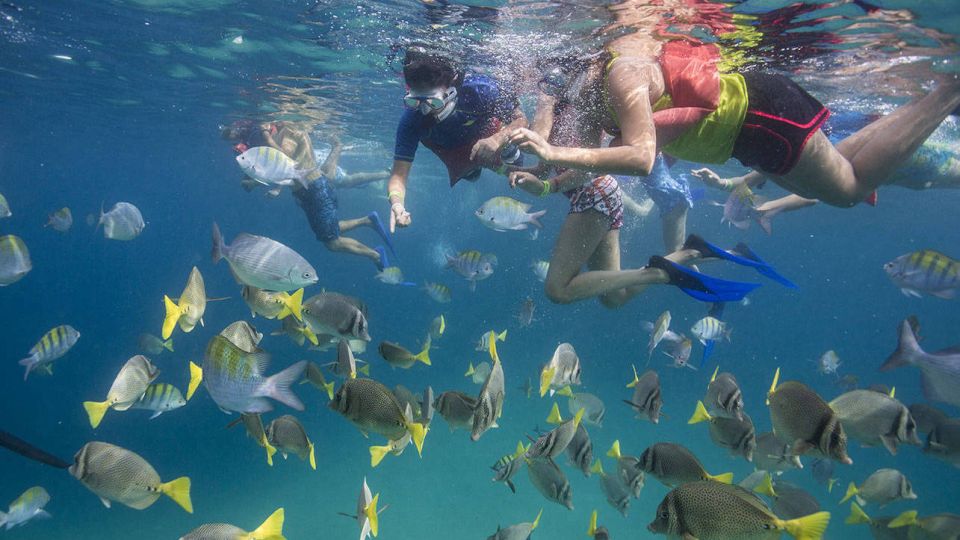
x=664 y=514
x=306 y=275
x=491 y=218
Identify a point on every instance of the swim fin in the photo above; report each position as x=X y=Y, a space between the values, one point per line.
x=701 y=286
x=377 y=225
x=741 y=255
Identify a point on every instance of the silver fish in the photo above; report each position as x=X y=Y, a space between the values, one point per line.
x=128 y=387
x=882 y=487
x=615 y=492
x=940 y=371
x=550 y=481
x=4 y=207
x=723 y=398
x=925 y=271
x=520 y=531
x=236 y=382
x=506 y=214
x=271 y=528
x=26 y=507
x=457 y=409
x=580 y=450
x=593 y=406
x=61 y=220
x=646 y=400
x=53 y=345
x=160 y=398
x=270 y=167
x=774 y=455
x=659 y=329
x=263 y=263
x=710 y=329
x=740 y=209
x=944 y=442
x=243 y=335
x=14 y=260
x=525 y=315
x=490 y=401
x=123 y=222
x=540 y=269
x=472 y=266
x=563 y=369
x=334 y=314
x=874 y=419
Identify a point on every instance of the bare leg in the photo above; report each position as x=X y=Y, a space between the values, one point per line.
x=580 y=237
x=350 y=224
x=844 y=175
x=641 y=210
x=361 y=178
x=353 y=247
x=674 y=228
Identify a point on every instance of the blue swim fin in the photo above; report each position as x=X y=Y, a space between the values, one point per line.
x=741 y=255
x=701 y=286
x=377 y=225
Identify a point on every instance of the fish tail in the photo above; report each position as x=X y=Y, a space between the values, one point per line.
x=493 y=347
x=636 y=378
x=773 y=385
x=96 y=410
x=566 y=391
x=271 y=528
x=614 y=450
x=470 y=370
x=179 y=491
x=377 y=453
x=418 y=433
x=765 y=487
x=851 y=491
x=546 y=377
x=857 y=515
x=329 y=388
x=292 y=305
x=597 y=467
x=277 y=386
x=370 y=511
x=554 y=417
x=168 y=344
x=809 y=527
x=502 y=336
x=424 y=355
x=313 y=457
x=700 y=414
x=592 y=530
x=908 y=350
x=28 y=363
x=725 y=478
x=536 y=520
x=907 y=518
x=364 y=370
x=271 y=451
x=196 y=376
x=535 y=218
x=170 y=319
x=217 y=252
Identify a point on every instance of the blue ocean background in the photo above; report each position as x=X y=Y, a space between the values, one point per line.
x=134 y=116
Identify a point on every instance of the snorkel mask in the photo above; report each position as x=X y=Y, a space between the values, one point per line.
x=438 y=103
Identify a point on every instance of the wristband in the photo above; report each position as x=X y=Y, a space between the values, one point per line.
x=726 y=185
x=547 y=188
x=399 y=194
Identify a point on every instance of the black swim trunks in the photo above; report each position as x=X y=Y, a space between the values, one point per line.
x=780 y=118
x=319 y=203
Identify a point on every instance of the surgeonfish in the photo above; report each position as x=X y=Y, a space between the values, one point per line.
x=944 y=442
x=367 y=515
x=61 y=220
x=298 y=332
x=525 y=314
x=723 y=398
x=123 y=222
x=563 y=369
x=479 y=373
x=927 y=417
x=189 y=308
x=399 y=357
x=263 y=263
x=151 y=344
x=709 y=510
x=597 y=532
x=437 y=327
x=926 y=271
x=457 y=409
x=550 y=481
x=14 y=260
x=128 y=387
x=804 y=420
x=617 y=495
x=673 y=465
x=629 y=469
x=520 y=531
x=791 y=502
x=552 y=443
x=507 y=214
x=119 y=475
x=875 y=419
x=160 y=398
x=774 y=455
x=253 y=425
x=287 y=435
x=735 y=434
x=314 y=375
x=270 y=529
x=52 y=345
x=594 y=409
x=336 y=315
x=879 y=527
x=29 y=505
x=236 y=382
x=934 y=527
x=940 y=371
x=4 y=207
x=646 y=399
x=882 y=487
x=490 y=400
x=273 y=304
x=580 y=450
x=372 y=407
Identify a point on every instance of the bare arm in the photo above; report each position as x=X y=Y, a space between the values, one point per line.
x=329 y=167
x=397 y=192
x=543 y=119
x=486 y=150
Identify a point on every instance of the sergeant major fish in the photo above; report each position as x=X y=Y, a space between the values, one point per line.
x=26 y=507
x=53 y=345
x=472 y=266
x=926 y=271
x=507 y=214
x=160 y=398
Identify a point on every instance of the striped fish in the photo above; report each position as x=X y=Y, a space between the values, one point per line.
x=615 y=492
x=160 y=398
x=925 y=271
x=127 y=388
x=51 y=346
x=646 y=400
x=236 y=382
x=552 y=443
x=508 y=465
x=27 y=506
x=580 y=450
x=438 y=292
x=14 y=260
x=710 y=329
x=628 y=470
x=472 y=265
x=270 y=167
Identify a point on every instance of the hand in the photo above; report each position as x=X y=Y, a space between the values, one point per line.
x=485 y=151
x=398 y=216
x=710 y=178
x=532 y=143
x=527 y=182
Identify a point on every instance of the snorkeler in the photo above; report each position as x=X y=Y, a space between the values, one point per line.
x=675 y=99
x=590 y=235
x=463 y=118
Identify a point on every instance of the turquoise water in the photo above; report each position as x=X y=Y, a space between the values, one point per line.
x=122 y=101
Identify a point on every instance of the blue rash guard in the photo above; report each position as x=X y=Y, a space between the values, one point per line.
x=483 y=106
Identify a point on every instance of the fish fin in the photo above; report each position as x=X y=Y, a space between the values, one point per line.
x=725 y=478
x=105 y=501
x=536 y=520
x=809 y=527
x=554 y=417
x=492 y=347
x=773 y=386
x=700 y=414
x=271 y=528
x=28 y=364
x=96 y=410
x=636 y=378
x=168 y=345
x=424 y=355
x=216 y=253
x=473 y=285
x=597 y=467
x=365 y=369
x=946 y=294
x=196 y=376
x=277 y=386
x=546 y=377
x=470 y=370
x=42 y=514
x=377 y=453
x=800 y=447
x=179 y=491
x=313 y=457
x=908 y=350
x=592 y=529
x=890 y=443
x=614 y=450
x=765 y=487
x=329 y=388
x=851 y=491
x=373 y=516
x=511 y=485
x=535 y=218
x=418 y=433
x=155 y=414
x=578 y=417
x=173 y=312
x=292 y=305
x=714 y=376
x=764 y=221
x=311 y=337
x=566 y=391
x=903 y=520
x=502 y=336
x=857 y=515
x=830 y=483
x=269 y=448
